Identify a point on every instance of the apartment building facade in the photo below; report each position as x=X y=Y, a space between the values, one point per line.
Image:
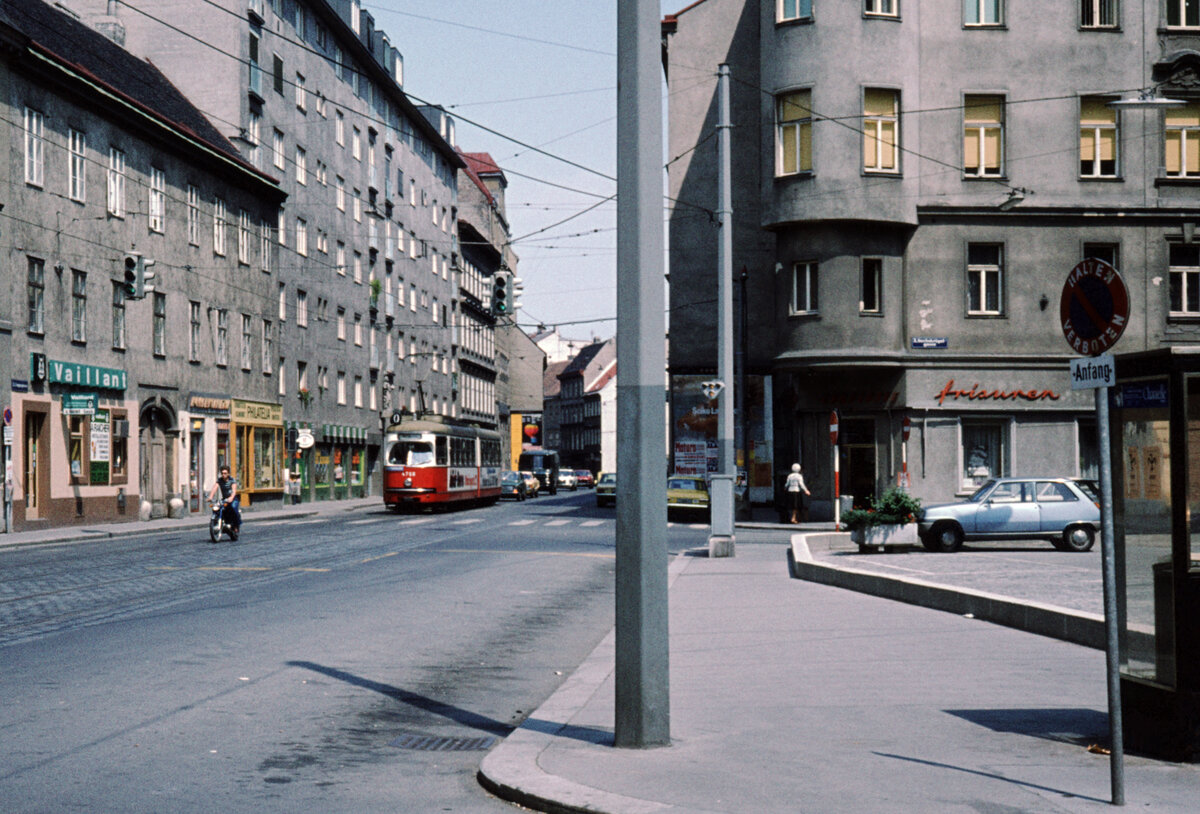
x=121 y=407
x=907 y=224
x=311 y=93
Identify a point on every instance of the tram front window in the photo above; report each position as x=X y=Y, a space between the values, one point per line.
x=410 y=453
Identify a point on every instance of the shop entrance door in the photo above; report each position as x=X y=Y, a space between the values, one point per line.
x=157 y=461
x=857 y=441
x=37 y=471
x=196 y=468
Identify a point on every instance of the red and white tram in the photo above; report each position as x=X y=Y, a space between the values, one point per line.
x=437 y=461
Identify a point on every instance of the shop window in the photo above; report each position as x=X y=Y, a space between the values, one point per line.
x=984 y=451
x=76 y=454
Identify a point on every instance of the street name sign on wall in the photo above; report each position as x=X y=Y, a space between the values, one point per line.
x=1094 y=307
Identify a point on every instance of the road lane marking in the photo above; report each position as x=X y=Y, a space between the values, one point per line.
x=519 y=551
x=522 y=523
x=367 y=520
x=380 y=557
x=590 y=523
x=468 y=521
x=233 y=568
x=309 y=570
x=558 y=522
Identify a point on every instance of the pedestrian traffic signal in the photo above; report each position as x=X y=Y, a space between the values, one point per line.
x=129 y=281
x=501 y=293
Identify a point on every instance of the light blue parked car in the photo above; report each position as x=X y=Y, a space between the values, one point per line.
x=1056 y=509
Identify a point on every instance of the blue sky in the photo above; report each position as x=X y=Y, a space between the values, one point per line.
x=543 y=73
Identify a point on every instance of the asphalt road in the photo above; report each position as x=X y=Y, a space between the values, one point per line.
x=361 y=664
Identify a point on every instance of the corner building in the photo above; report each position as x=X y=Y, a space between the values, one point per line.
x=913 y=180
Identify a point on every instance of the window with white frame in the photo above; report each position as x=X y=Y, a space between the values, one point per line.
x=983 y=135
x=157 y=214
x=1181 y=136
x=1183 y=13
x=301 y=166
x=1097 y=138
x=253 y=137
x=356 y=143
x=35 y=147
x=281 y=228
x=78 y=306
x=341 y=323
x=281 y=377
x=264 y=246
x=1185 y=280
x=871 y=286
x=1099 y=14
x=804 y=288
x=194 y=331
x=243 y=237
x=301 y=96
x=793 y=10
x=193 y=215
x=301 y=308
x=341 y=387
x=116 y=182
x=277 y=148
x=222 y=341
x=793 y=132
x=268 y=346
x=339 y=258
x=219 y=223
x=358 y=391
x=77 y=164
x=881 y=130
x=985 y=279
x=983 y=12
x=35 y=291
x=247 y=340
x=358 y=267
x=882 y=8
x=339 y=127
x=339 y=193
x=357 y=206
x=302 y=237
x=158 y=328
x=358 y=330
x=118 y=315
x=302 y=376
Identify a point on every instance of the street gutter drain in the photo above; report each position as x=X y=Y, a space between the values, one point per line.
x=432 y=743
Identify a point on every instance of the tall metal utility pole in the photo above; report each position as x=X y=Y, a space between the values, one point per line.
x=721 y=538
x=642 y=655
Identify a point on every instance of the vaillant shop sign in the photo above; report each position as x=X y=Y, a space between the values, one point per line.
x=57 y=372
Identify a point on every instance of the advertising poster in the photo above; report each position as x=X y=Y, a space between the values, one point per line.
x=694 y=434
x=99 y=448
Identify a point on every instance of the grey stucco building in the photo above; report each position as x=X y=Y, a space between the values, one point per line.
x=913 y=182
x=118 y=403
x=311 y=92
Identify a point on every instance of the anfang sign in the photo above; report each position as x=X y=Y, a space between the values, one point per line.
x=1094 y=307
x=1093 y=372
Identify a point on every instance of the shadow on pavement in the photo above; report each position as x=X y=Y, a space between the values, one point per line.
x=991 y=776
x=459 y=715
x=1078 y=726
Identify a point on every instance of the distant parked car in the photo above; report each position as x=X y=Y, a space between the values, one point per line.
x=513 y=486
x=585 y=478
x=567 y=479
x=1054 y=509
x=687 y=494
x=532 y=485
x=606 y=489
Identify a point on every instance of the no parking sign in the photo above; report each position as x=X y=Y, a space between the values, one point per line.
x=1094 y=307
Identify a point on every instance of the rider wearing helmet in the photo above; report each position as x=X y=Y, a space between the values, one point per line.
x=227 y=486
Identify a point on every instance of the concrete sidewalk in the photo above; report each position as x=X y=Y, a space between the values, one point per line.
x=250 y=515
x=791 y=696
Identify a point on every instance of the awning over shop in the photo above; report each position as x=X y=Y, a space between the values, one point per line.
x=343 y=433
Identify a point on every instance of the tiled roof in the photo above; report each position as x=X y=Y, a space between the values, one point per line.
x=474 y=163
x=604 y=378
x=550 y=383
x=66 y=40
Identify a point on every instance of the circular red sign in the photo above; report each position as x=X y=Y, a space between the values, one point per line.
x=905 y=428
x=1094 y=307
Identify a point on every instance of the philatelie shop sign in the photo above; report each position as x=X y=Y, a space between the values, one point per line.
x=1094 y=307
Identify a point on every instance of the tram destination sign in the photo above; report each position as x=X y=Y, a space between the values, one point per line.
x=1094 y=307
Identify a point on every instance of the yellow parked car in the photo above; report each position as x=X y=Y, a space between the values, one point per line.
x=687 y=494
x=606 y=489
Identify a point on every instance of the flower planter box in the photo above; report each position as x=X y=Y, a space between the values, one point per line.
x=876 y=538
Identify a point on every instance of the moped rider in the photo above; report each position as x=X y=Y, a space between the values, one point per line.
x=226 y=485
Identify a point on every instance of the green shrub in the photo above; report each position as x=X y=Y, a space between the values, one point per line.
x=893 y=507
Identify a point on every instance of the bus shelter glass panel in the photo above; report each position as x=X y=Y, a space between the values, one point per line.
x=1144 y=464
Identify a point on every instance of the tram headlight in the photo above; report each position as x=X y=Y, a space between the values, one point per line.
x=407 y=482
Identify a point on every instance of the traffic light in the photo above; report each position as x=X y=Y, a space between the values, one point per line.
x=145 y=278
x=133 y=261
x=516 y=289
x=501 y=294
